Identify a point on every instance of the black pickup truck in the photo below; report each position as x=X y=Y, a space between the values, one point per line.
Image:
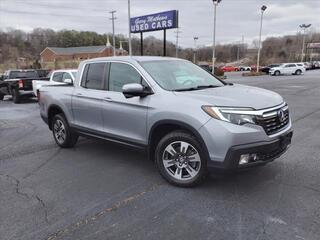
x=17 y=83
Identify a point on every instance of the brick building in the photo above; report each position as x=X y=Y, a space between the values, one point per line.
x=51 y=54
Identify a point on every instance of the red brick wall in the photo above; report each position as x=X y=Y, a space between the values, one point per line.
x=49 y=56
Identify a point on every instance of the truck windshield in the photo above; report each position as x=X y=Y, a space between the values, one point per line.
x=23 y=74
x=177 y=75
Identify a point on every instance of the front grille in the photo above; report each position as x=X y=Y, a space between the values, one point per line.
x=274 y=121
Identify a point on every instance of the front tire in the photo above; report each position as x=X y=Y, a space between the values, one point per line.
x=62 y=133
x=298 y=72
x=180 y=159
x=277 y=73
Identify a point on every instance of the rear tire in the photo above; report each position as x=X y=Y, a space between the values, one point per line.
x=62 y=133
x=298 y=72
x=180 y=159
x=16 y=98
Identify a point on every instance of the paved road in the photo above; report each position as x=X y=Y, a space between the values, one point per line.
x=102 y=191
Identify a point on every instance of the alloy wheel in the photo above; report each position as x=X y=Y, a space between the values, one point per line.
x=59 y=131
x=181 y=160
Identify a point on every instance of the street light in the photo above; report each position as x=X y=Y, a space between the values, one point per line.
x=195 y=49
x=263 y=8
x=215 y=3
x=113 y=36
x=130 y=47
x=304 y=27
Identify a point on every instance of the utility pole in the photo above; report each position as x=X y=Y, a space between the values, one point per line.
x=177 y=41
x=263 y=8
x=195 y=49
x=215 y=3
x=304 y=27
x=130 y=46
x=238 y=52
x=113 y=36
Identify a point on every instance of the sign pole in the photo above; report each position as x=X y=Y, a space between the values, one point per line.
x=164 y=42
x=129 y=17
x=141 y=43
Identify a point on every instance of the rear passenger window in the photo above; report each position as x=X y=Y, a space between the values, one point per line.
x=121 y=74
x=93 y=76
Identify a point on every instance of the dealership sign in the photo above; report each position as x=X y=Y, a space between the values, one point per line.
x=154 y=22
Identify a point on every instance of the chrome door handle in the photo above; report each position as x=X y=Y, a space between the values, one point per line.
x=107 y=99
x=79 y=94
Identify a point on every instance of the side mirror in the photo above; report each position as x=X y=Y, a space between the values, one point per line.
x=135 y=90
x=68 y=81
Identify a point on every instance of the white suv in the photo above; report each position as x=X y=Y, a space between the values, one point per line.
x=288 y=68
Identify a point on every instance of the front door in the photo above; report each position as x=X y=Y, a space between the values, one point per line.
x=87 y=98
x=124 y=118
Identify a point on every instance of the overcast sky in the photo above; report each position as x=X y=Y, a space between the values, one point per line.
x=234 y=17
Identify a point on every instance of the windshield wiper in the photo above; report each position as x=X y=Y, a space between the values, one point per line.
x=199 y=87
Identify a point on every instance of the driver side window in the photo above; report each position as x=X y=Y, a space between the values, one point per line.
x=121 y=74
x=66 y=76
x=57 y=77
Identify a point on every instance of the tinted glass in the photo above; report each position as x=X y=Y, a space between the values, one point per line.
x=177 y=75
x=292 y=65
x=121 y=74
x=74 y=74
x=95 y=76
x=57 y=77
x=66 y=76
x=23 y=74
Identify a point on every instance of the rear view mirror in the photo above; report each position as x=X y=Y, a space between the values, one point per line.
x=68 y=81
x=135 y=90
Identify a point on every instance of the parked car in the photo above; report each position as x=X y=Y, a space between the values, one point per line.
x=307 y=65
x=288 y=68
x=229 y=68
x=267 y=68
x=187 y=120
x=17 y=83
x=244 y=68
x=55 y=77
x=315 y=65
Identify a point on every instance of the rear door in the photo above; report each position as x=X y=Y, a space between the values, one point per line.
x=87 y=98
x=293 y=68
x=124 y=118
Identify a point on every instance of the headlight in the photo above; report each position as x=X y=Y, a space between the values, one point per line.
x=238 y=116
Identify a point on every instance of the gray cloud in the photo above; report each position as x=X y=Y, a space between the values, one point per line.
x=234 y=17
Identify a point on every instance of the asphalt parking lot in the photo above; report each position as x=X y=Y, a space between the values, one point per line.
x=100 y=190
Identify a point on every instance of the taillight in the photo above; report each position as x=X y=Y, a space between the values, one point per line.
x=21 y=84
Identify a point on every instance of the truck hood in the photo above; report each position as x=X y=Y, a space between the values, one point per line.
x=236 y=96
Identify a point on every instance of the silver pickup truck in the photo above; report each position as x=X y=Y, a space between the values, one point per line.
x=189 y=121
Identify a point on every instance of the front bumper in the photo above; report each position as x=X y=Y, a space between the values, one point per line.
x=266 y=152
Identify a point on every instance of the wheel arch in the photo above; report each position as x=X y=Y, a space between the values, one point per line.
x=52 y=111
x=163 y=127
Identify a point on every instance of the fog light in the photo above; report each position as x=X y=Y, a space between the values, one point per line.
x=247 y=158
x=244 y=158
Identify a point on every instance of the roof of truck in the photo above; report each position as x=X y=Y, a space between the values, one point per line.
x=134 y=58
